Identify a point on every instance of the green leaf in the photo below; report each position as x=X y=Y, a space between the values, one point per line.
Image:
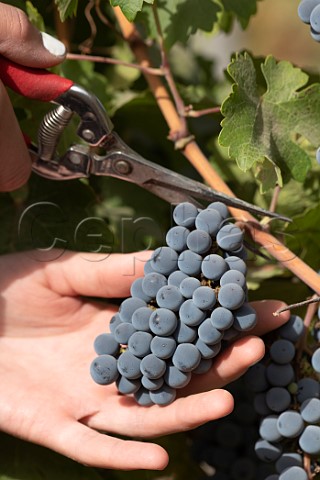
x=130 y=8
x=67 y=8
x=34 y=16
x=267 y=117
x=242 y=10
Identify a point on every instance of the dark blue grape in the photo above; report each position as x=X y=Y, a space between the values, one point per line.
x=163 y=322
x=164 y=260
x=105 y=344
x=137 y=291
x=175 y=378
x=233 y=276
x=163 y=347
x=282 y=351
x=129 y=365
x=231 y=296
x=310 y=410
x=213 y=266
x=103 y=369
x=203 y=367
x=315 y=360
x=184 y=334
x=185 y=214
x=129 y=306
x=204 y=297
x=307 y=388
x=256 y=378
x=148 y=267
x=151 y=384
x=260 y=404
x=230 y=237
x=190 y=262
x=293 y=329
x=186 y=357
x=199 y=241
x=310 y=440
x=152 y=282
x=190 y=314
x=221 y=208
x=152 y=366
x=209 y=220
x=268 y=429
x=123 y=332
x=266 y=451
x=142 y=397
x=315 y=19
x=236 y=263
x=163 y=396
x=280 y=375
x=176 y=238
x=170 y=297
x=278 y=399
x=294 y=473
x=290 y=424
x=208 y=351
x=221 y=318
x=176 y=278
x=287 y=460
x=141 y=318
x=139 y=344
x=245 y=318
x=208 y=333
x=127 y=386
x=114 y=322
x=188 y=286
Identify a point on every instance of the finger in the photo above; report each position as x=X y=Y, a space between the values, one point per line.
x=21 y=42
x=95 y=275
x=95 y=449
x=183 y=414
x=266 y=320
x=15 y=162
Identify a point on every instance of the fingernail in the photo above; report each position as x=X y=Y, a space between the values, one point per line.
x=54 y=46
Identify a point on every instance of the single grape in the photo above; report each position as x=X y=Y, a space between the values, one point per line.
x=233 y=276
x=114 y=322
x=287 y=460
x=148 y=267
x=310 y=410
x=315 y=360
x=278 y=399
x=221 y=318
x=290 y=424
x=152 y=366
x=190 y=262
x=219 y=207
x=282 y=351
x=163 y=396
x=139 y=344
x=266 y=451
x=256 y=378
x=185 y=214
x=316 y=37
x=203 y=367
x=310 y=440
x=175 y=378
x=163 y=347
x=129 y=306
x=186 y=357
x=163 y=322
x=184 y=334
x=213 y=266
x=129 y=365
x=106 y=344
x=204 y=297
x=294 y=473
x=141 y=318
x=208 y=351
x=169 y=297
x=151 y=384
x=245 y=318
x=152 y=283
x=123 y=332
x=307 y=388
x=236 y=263
x=315 y=19
x=268 y=429
x=127 y=386
x=230 y=335
x=103 y=369
x=190 y=314
x=176 y=238
x=188 y=286
x=230 y=237
x=209 y=220
x=231 y=296
x=136 y=290
x=142 y=397
x=280 y=375
x=293 y=329
x=175 y=278
x=199 y=241
x=164 y=260
x=305 y=9
x=208 y=333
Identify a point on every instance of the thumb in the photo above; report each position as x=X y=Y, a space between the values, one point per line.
x=21 y=42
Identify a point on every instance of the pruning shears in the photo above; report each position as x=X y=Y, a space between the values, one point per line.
x=96 y=130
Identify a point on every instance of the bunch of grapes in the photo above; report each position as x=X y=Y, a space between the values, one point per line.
x=309 y=12
x=191 y=300
x=287 y=397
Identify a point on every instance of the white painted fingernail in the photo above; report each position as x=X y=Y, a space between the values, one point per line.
x=54 y=46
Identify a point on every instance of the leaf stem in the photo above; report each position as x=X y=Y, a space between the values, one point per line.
x=190 y=112
x=274 y=200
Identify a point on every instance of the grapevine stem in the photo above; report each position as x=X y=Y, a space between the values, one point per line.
x=193 y=153
x=314 y=299
x=189 y=112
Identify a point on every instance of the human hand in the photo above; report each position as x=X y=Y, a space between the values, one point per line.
x=21 y=42
x=48 y=325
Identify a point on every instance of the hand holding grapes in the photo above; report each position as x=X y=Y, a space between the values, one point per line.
x=46 y=347
x=21 y=42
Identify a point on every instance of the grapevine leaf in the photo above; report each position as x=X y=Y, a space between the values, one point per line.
x=267 y=117
x=130 y=8
x=67 y=8
x=242 y=10
x=34 y=16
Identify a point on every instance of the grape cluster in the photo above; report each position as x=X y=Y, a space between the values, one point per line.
x=190 y=301
x=287 y=397
x=309 y=12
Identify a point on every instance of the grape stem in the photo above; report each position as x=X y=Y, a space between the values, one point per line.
x=314 y=299
x=196 y=157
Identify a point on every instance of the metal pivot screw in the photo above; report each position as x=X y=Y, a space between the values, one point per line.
x=123 y=167
x=88 y=135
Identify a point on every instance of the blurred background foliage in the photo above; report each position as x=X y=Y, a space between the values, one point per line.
x=108 y=215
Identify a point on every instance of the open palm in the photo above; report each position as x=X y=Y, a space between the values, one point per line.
x=48 y=325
